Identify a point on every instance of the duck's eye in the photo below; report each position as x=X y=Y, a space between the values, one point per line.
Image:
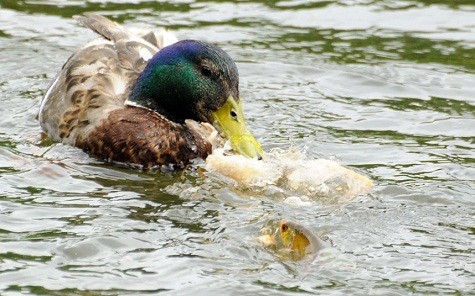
x=206 y=71
x=233 y=114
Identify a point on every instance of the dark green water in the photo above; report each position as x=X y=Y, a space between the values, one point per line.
x=387 y=87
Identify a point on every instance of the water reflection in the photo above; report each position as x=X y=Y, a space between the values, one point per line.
x=71 y=8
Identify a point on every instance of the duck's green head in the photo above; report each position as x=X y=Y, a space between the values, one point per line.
x=195 y=80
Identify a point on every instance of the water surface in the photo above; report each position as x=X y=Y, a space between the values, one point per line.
x=387 y=87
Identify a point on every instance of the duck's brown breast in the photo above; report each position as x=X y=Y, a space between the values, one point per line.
x=139 y=136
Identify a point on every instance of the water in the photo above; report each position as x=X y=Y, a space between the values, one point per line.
x=386 y=87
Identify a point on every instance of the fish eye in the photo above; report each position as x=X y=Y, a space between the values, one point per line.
x=206 y=71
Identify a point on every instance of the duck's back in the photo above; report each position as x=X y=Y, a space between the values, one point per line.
x=97 y=79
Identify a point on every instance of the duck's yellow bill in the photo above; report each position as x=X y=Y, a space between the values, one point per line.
x=230 y=120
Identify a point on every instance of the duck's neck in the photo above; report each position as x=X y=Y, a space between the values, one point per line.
x=166 y=89
x=147 y=93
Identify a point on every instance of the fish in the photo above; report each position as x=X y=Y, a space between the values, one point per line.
x=291 y=240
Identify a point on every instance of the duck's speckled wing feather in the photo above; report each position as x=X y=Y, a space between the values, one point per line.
x=96 y=79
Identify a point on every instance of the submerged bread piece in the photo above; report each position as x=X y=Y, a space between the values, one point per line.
x=292 y=171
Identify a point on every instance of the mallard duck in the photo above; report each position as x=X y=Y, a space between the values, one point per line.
x=137 y=98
